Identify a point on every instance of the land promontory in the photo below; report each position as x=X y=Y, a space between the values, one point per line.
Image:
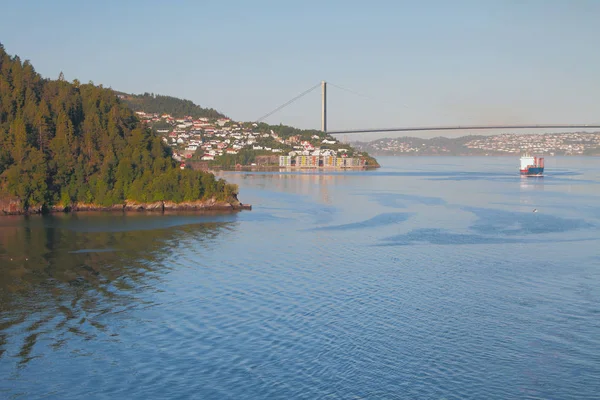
x=74 y=146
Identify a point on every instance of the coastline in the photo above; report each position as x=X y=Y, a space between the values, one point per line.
x=279 y=168
x=408 y=155
x=14 y=206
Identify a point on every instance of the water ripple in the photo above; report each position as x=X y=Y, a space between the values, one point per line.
x=375 y=222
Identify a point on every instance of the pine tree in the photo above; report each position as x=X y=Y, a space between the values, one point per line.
x=20 y=147
x=42 y=125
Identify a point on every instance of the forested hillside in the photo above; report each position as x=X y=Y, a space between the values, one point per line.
x=63 y=143
x=155 y=103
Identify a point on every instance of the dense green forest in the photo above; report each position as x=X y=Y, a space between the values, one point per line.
x=155 y=103
x=63 y=143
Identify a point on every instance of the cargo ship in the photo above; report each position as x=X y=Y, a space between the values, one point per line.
x=532 y=165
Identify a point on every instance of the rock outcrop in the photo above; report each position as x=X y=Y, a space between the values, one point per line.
x=11 y=205
x=14 y=206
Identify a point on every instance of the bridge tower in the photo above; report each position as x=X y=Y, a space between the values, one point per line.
x=324 y=106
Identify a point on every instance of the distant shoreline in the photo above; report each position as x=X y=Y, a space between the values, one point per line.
x=278 y=168
x=483 y=155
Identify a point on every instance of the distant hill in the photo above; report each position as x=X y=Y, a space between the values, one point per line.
x=567 y=143
x=159 y=104
x=419 y=146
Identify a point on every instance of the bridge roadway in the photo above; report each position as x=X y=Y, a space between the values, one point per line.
x=466 y=127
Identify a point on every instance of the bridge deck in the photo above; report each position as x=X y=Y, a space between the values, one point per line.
x=467 y=127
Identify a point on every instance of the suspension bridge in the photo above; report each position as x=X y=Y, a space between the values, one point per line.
x=323 y=86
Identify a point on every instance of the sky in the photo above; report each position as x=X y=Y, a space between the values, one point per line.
x=403 y=63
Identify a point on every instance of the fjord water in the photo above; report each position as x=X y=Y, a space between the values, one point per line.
x=428 y=278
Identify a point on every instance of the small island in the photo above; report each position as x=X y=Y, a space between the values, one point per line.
x=68 y=146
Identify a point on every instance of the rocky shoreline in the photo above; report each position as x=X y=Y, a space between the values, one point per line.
x=14 y=206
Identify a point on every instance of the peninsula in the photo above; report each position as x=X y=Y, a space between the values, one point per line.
x=73 y=146
x=206 y=139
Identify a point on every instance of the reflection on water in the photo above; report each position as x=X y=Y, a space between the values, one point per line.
x=302 y=182
x=532 y=184
x=61 y=273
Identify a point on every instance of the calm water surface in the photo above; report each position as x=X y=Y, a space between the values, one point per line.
x=429 y=278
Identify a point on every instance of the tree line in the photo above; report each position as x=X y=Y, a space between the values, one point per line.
x=156 y=103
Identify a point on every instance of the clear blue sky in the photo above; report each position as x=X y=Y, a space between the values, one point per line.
x=419 y=62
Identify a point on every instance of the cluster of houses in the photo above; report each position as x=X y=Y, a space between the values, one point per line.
x=571 y=143
x=394 y=145
x=208 y=139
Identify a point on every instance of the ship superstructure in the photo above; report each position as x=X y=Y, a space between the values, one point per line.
x=532 y=165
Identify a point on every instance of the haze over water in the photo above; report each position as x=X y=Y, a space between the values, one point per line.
x=427 y=278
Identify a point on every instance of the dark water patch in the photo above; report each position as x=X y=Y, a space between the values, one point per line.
x=27 y=347
x=377 y=221
x=93 y=251
x=316 y=212
x=2 y=344
x=258 y=216
x=442 y=237
x=129 y=221
x=500 y=222
x=399 y=200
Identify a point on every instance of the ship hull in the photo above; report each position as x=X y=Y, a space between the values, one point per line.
x=533 y=171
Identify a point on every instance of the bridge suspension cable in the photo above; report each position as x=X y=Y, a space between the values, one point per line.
x=348 y=90
x=371 y=98
x=289 y=102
